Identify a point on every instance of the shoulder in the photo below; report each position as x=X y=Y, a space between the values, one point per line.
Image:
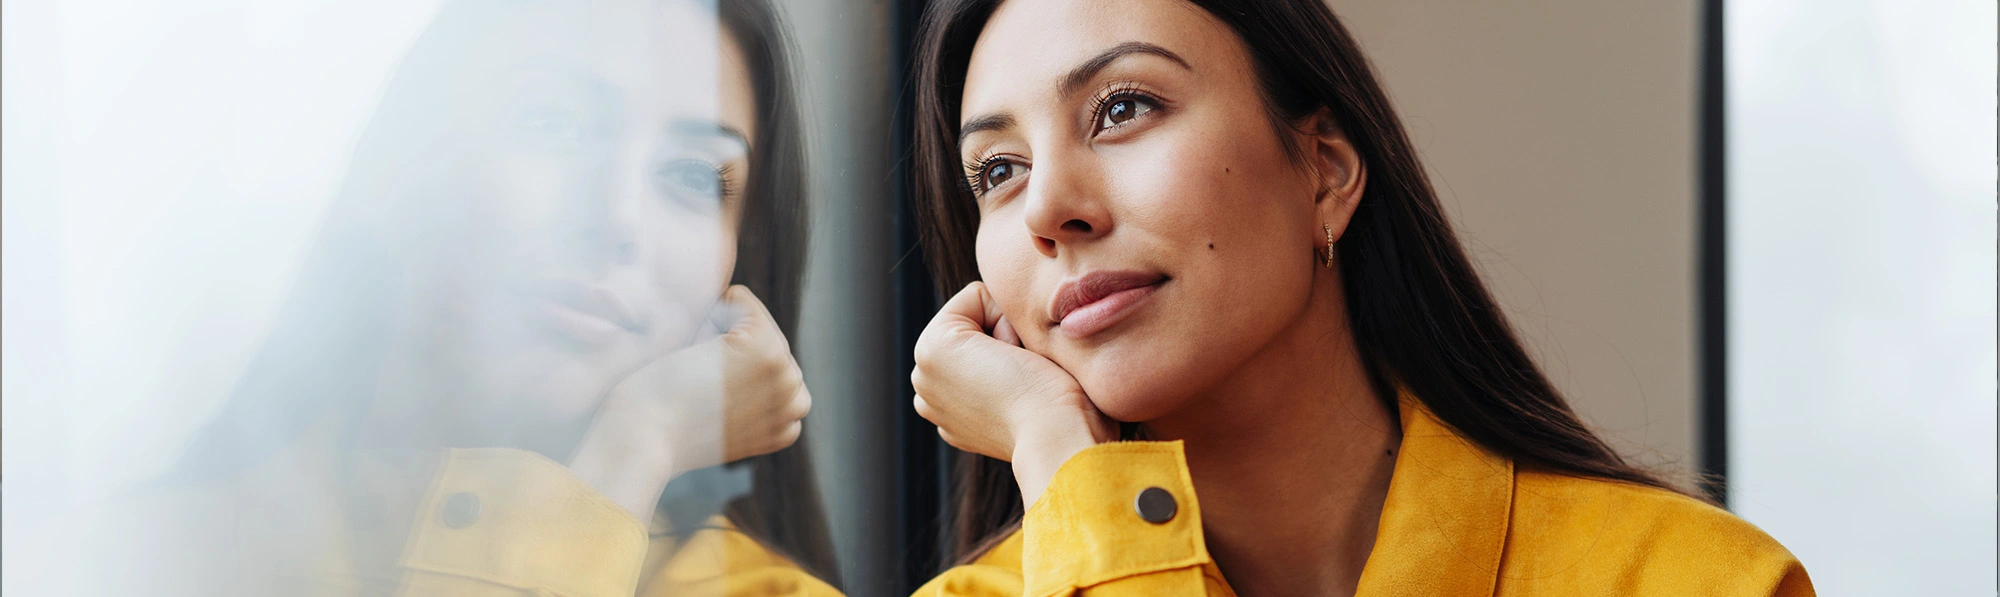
x=721 y=559
x=1576 y=532
x=994 y=573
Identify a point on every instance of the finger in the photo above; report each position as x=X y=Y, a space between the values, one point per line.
x=800 y=406
x=730 y=309
x=747 y=310
x=790 y=435
x=956 y=320
x=1004 y=332
x=967 y=309
x=924 y=409
x=990 y=309
x=741 y=296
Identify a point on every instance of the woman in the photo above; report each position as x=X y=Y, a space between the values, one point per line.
x=515 y=359
x=1199 y=227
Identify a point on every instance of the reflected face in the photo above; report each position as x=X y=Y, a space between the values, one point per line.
x=1140 y=222
x=605 y=156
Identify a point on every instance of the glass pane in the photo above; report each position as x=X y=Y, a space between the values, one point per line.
x=1860 y=290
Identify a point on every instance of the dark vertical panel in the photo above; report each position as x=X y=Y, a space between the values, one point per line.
x=1713 y=258
x=922 y=479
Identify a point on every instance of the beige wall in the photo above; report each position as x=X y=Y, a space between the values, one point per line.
x=1561 y=137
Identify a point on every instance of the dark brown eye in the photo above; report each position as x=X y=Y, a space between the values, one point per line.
x=1120 y=110
x=998 y=172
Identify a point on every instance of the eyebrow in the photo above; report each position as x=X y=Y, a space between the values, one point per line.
x=1083 y=73
x=711 y=130
x=1076 y=79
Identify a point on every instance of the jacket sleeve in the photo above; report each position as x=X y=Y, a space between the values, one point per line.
x=511 y=522
x=1794 y=583
x=722 y=561
x=1092 y=533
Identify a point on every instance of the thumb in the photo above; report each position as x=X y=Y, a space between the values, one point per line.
x=1004 y=332
x=973 y=305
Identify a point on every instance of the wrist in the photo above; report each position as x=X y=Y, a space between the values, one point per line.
x=1041 y=451
x=630 y=470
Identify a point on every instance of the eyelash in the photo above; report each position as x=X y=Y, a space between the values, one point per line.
x=726 y=185
x=976 y=169
x=976 y=173
x=1112 y=95
x=725 y=176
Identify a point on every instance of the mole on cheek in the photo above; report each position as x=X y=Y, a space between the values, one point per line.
x=1211 y=246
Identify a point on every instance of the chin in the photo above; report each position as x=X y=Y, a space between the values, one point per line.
x=1133 y=394
x=1149 y=373
x=547 y=383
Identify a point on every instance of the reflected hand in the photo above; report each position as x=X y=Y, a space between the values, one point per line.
x=734 y=396
x=990 y=396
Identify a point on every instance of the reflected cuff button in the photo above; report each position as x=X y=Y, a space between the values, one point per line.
x=461 y=510
x=1156 y=505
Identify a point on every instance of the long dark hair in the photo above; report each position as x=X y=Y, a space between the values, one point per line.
x=320 y=354
x=783 y=508
x=1422 y=319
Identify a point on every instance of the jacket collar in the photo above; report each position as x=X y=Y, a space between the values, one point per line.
x=1444 y=523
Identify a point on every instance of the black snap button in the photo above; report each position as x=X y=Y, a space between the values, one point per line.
x=460 y=510
x=1156 y=505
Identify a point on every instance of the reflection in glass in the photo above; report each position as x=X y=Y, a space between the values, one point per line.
x=539 y=342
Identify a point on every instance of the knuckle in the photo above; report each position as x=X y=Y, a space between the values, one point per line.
x=800 y=407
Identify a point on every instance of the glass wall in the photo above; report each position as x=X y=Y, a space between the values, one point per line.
x=1861 y=288
x=440 y=297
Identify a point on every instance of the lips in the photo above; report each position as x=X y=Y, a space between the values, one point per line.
x=586 y=312
x=1099 y=300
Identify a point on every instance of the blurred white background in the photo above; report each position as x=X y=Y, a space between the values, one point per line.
x=1861 y=288
x=166 y=166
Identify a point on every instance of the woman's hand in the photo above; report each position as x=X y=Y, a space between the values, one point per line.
x=990 y=396
x=734 y=396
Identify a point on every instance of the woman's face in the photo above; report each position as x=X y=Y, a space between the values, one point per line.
x=598 y=200
x=1121 y=153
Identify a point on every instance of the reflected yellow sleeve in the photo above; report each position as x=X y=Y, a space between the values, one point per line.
x=1090 y=534
x=512 y=522
x=507 y=522
x=721 y=561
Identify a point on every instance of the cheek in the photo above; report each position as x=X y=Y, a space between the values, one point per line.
x=1223 y=217
x=522 y=214
x=692 y=259
x=529 y=194
x=1007 y=264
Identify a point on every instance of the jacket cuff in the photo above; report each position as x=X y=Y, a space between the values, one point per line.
x=516 y=518
x=1113 y=511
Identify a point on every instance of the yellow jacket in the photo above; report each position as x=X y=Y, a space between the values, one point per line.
x=550 y=533
x=485 y=522
x=1458 y=520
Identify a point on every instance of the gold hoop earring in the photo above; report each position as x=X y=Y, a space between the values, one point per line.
x=1329 y=245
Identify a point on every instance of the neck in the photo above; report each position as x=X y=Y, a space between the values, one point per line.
x=1295 y=434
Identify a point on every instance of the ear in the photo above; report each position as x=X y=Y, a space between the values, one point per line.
x=1341 y=174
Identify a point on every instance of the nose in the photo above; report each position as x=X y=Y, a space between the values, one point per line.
x=1065 y=204
x=613 y=232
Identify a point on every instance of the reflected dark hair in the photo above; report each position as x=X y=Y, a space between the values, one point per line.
x=1421 y=318
x=321 y=351
x=783 y=509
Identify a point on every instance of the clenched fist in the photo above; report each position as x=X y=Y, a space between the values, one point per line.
x=734 y=396
x=990 y=396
